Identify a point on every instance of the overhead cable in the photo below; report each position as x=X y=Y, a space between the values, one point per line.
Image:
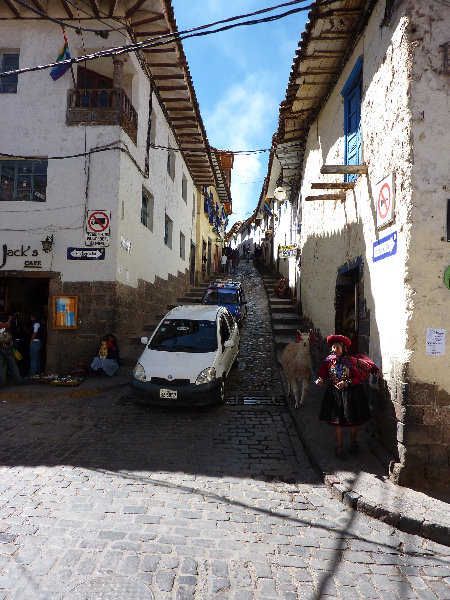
x=163 y=39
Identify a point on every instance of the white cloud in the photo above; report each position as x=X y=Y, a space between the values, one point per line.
x=243 y=119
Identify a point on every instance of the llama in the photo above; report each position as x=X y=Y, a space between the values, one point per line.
x=296 y=363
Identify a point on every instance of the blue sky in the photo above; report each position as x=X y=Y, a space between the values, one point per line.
x=240 y=78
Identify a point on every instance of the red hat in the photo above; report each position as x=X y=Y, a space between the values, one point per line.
x=332 y=339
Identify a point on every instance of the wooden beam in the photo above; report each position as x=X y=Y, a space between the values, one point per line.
x=167 y=77
x=159 y=50
x=152 y=19
x=183 y=119
x=344 y=170
x=349 y=185
x=39 y=6
x=155 y=65
x=94 y=7
x=340 y=197
x=176 y=100
x=130 y=12
x=328 y=36
x=172 y=88
x=67 y=9
x=150 y=34
x=13 y=9
x=112 y=7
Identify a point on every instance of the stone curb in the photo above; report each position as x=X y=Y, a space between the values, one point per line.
x=426 y=529
x=36 y=392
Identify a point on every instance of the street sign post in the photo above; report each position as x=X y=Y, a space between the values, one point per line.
x=85 y=253
x=385 y=247
x=97 y=228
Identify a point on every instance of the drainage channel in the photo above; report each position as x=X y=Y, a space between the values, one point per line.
x=254 y=400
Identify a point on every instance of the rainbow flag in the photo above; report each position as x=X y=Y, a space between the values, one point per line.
x=59 y=70
x=267 y=208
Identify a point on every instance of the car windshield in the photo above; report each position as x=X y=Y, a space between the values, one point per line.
x=220 y=297
x=185 y=335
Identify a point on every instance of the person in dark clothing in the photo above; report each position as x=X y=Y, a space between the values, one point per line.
x=345 y=402
x=7 y=356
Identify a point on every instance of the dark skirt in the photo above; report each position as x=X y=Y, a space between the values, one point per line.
x=348 y=406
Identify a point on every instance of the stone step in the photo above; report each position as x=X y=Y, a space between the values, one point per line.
x=287 y=309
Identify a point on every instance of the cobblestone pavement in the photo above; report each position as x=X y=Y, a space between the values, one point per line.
x=103 y=499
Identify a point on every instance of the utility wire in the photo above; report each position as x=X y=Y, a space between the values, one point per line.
x=154 y=146
x=163 y=39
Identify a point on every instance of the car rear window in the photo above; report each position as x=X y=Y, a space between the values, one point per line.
x=220 y=296
x=185 y=335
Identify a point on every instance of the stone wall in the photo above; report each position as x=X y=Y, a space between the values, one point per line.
x=104 y=307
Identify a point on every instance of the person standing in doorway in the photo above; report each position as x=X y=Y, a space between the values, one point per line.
x=35 y=344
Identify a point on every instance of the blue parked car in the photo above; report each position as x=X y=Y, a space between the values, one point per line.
x=229 y=294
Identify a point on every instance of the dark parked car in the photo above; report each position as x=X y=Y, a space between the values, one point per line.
x=229 y=294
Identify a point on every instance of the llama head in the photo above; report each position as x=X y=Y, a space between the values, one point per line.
x=305 y=337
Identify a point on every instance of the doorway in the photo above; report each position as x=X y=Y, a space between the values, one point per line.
x=347 y=306
x=22 y=296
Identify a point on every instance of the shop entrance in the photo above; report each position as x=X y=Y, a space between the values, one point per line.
x=22 y=296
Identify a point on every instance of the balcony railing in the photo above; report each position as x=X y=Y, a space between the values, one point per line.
x=102 y=107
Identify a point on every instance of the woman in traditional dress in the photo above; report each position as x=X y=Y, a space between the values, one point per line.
x=345 y=402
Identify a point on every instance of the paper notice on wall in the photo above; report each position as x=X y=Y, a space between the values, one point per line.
x=435 y=343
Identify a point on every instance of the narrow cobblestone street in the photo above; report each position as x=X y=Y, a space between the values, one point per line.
x=105 y=499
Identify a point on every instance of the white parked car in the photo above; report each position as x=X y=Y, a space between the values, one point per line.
x=188 y=357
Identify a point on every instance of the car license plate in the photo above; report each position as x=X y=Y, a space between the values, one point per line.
x=171 y=394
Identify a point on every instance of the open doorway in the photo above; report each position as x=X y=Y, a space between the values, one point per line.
x=347 y=306
x=22 y=296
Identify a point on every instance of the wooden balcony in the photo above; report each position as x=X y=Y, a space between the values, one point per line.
x=102 y=107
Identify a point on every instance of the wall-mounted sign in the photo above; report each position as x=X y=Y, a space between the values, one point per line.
x=65 y=312
x=24 y=251
x=384 y=200
x=85 y=253
x=126 y=244
x=287 y=251
x=32 y=264
x=385 y=247
x=447 y=277
x=435 y=341
x=97 y=228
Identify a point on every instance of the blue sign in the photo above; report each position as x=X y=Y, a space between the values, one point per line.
x=385 y=247
x=85 y=253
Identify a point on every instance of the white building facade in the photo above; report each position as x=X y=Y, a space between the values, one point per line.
x=99 y=164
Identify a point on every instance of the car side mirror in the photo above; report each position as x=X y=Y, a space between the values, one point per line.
x=228 y=344
x=144 y=340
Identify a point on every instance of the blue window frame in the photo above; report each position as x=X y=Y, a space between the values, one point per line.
x=23 y=180
x=8 y=85
x=351 y=93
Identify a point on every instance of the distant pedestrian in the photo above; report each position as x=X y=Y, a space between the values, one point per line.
x=223 y=262
x=35 y=344
x=248 y=253
x=345 y=402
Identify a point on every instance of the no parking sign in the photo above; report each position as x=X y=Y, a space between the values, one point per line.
x=97 y=228
x=384 y=200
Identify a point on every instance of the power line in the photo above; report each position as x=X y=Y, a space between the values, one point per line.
x=164 y=39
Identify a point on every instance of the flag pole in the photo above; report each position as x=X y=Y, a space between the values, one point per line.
x=71 y=66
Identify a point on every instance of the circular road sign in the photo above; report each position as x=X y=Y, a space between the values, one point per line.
x=98 y=221
x=384 y=201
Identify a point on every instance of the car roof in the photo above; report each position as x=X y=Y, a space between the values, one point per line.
x=225 y=285
x=195 y=312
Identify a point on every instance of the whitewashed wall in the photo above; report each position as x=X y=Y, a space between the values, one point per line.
x=335 y=233
x=32 y=122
